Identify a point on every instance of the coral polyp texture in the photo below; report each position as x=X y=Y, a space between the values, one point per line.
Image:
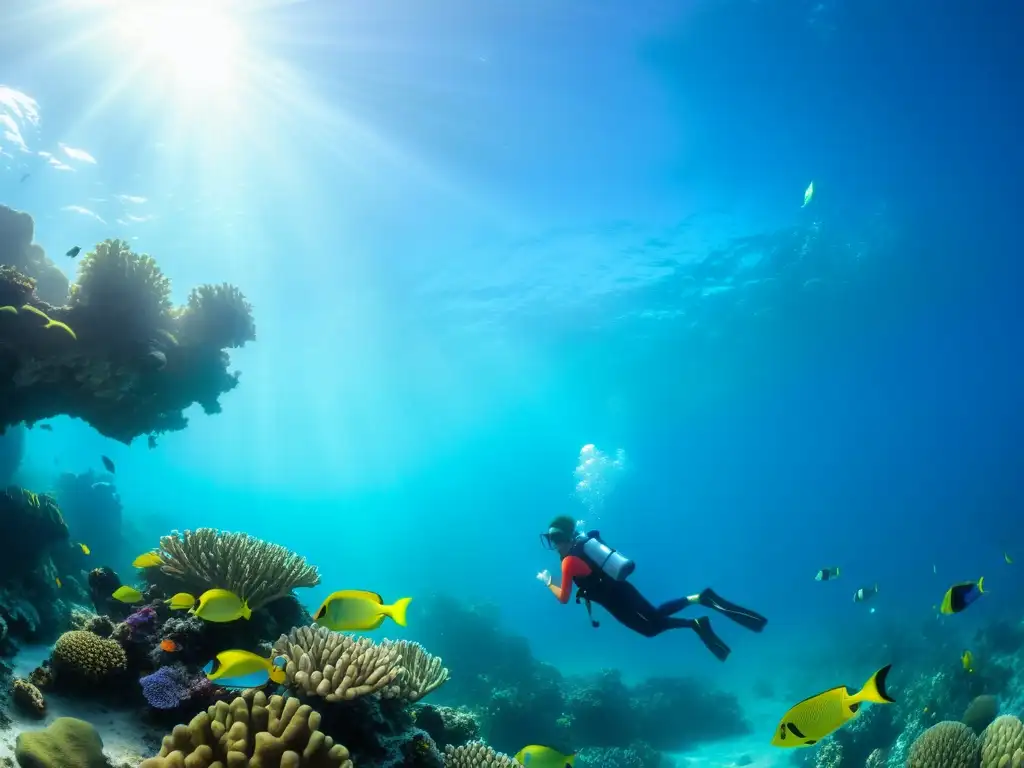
x=338 y=667
x=110 y=349
x=85 y=657
x=948 y=744
x=255 y=570
x=258 y=732
x=1002 y=743
x=422 y=673
x=476 y=754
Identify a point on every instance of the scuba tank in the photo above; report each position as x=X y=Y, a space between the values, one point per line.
x=607 y=560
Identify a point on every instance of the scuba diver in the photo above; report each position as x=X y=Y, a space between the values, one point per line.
x=599 y=573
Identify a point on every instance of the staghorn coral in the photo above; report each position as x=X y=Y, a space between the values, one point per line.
x=338 y=667
x=421 y=672
x=66 y=743
x=217 y=316
x=1002 y=743
x=274 y=733
x=980 y=712
x=476 y=754
x=28 y=697
x=255 y=570
x=123 y=283
x=84 y=656
x=947 y=744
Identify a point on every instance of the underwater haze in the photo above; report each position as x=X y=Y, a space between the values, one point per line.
x=480 y=236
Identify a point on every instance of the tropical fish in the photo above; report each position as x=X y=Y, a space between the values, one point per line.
x=148 y=560
x=1007 y=558
x=221 y=605
x=536 y=756
x=356 y=609
x=85 y=549
x=56 y=581
x=827 y=574
x=46 y=427
x=808 y=194
x=151 y=441
x=73 y=252
x=242 y=669
x=815 y=718
x=967 y=659
x=108 y=464
x=959 y=596
x=865 y=593
x=169 y=646
x=182 y=601
x=126 y=594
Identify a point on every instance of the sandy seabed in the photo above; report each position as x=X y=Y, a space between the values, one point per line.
x=126 y=740
x=751 y=751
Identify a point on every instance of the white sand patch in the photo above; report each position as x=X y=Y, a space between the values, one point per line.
x=126 y=739
x=751 y=751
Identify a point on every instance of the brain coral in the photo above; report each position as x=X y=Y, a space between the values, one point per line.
x=1002 y=743
x=67 y=743
x=86 y=656
x=947 y=744
x=274 y=733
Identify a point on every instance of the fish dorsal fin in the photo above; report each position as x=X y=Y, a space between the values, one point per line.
x=357 y=593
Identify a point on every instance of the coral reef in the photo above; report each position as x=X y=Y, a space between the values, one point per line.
x=108 y=351
x=980 y=712
x=948 y=744
x=92 y=509
x=66 y=743
x=476 y=755
x=255 y=570
x=447 y=726
x=82 y=657
x=1002 y=744
x=12 y=447
x=256 y=731
x=421 y=673
x=27 y=697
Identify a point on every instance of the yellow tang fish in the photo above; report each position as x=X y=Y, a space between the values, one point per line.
x=84 y=548
x=357 y=610
x=221 y=605
x=182 y=601
x=959 y=596
x=127 y=595
x=242 y=669
x=808 y=194
x=967 y=659
x=815 y=718
x=148 y=560
x=56 y=580
x=536 y=756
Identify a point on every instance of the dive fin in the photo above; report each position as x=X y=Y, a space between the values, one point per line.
x=752 y=620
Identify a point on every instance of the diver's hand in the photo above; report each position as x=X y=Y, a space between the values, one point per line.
x=545 y=577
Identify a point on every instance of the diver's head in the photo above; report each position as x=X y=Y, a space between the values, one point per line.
x=560 y=534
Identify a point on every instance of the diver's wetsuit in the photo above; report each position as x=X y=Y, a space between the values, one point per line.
x=624 y=601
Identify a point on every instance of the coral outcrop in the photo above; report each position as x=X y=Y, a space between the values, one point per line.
x=81 y=656
x=338 y=667
x=1002 y=744
x=27 y=697
x=421 y=672
x=255 y=731
x=476 y=755
x=67 y=743
x=108 y=350
x=948 y=744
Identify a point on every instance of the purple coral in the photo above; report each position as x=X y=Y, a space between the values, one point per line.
x=141 y=618
x=167 y=687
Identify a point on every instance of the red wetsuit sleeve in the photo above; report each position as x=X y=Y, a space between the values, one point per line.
x=571 y=566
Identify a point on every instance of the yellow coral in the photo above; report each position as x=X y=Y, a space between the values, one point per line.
x=35 y=311
x=476 y=754
x=338 y=667
x=1002 y=743
x=947 y=744
x=63 y=326
x=9 y=310
x=86 y=656
x=274 y=733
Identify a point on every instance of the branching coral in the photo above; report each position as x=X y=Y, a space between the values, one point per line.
x=255 y=570
x=945 y=745
x=421 y=672
x=1002 y=743
x=218 y=316
x=123 y=283
x=84 y=656
x=476 y=754
x=338 y=667
x=262 y=733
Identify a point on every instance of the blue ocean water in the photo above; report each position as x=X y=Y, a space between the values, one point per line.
x=480 y=236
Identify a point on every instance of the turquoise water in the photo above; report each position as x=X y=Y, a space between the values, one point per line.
x=479 y=236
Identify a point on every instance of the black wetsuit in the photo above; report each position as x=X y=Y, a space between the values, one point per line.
x=631 y=609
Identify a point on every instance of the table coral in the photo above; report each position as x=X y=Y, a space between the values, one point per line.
x=111 y=356
x=258 y=732
x=255 y=570
x=338 y=667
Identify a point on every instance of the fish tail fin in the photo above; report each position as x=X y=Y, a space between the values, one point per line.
x=277 y=675
x=397 y=611
x=246 y=611
x=981 y=585
x=874 y=689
